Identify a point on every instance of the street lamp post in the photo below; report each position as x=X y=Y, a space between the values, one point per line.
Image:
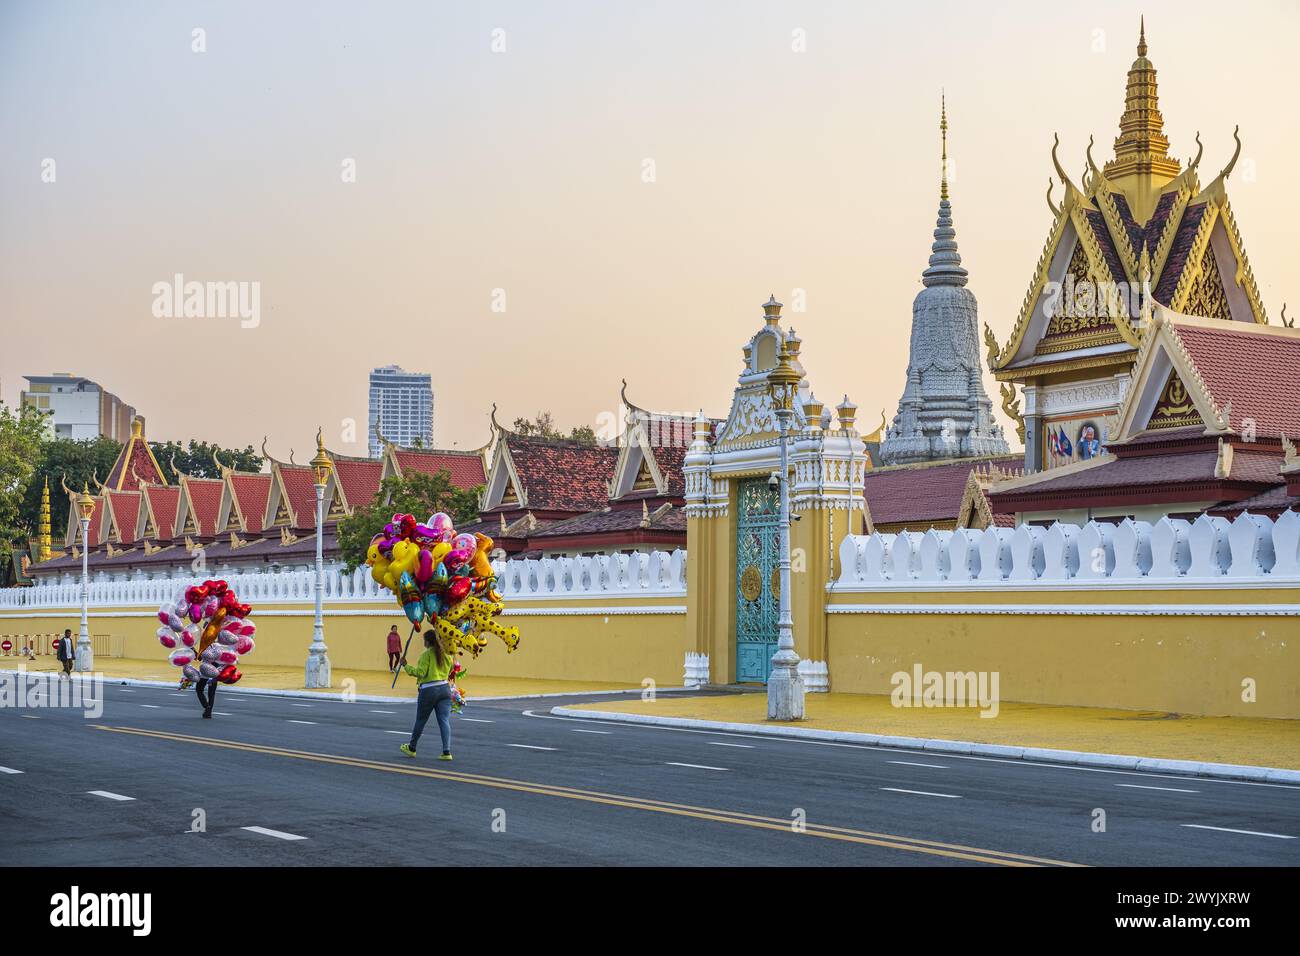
x=785 y=690
x=85 y=656
x=318 y=661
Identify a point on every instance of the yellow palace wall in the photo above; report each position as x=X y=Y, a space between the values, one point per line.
x=615 y=640
x=1191 y=663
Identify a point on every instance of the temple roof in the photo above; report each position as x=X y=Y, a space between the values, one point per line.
x=465 y=467
x=135 y=462
x=918 y=496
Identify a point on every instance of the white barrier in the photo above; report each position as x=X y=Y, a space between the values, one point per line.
x=1248 y=548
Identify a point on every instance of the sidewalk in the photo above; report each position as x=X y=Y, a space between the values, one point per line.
x=368 y=683
x=1227 y=740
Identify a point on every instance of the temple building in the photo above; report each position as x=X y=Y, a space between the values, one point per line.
x=1139 y=233
x=944 y=412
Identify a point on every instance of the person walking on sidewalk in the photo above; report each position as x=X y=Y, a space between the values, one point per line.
x=434 y=696
x=394 y=648
x=64 y=652
x=208 y=685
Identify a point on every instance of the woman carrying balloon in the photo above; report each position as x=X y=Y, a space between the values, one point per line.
x=431 y=672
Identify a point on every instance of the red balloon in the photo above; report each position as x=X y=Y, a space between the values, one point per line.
x=458 y=588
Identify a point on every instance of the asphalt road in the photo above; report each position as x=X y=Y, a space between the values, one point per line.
x=324 y=782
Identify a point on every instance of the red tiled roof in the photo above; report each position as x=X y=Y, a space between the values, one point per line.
x=671 y=459
x=133 y=459
x=1272 y=502
x=300 y=487
x=359 y=480
x=126 y=510
x=97 y=523
x=1141 y=472
x=1255 y=371
x=608 y=520
x=205 y=502
x=466 y=467
x=164 y=500
x=562 y=475
x=251 y=492
x=921 y=495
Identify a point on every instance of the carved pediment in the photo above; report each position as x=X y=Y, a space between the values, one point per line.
x=1174 y=408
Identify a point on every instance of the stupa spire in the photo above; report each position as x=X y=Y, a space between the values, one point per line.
x=945 y=261
x=1142 y=147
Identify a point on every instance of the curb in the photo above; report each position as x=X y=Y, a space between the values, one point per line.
x=324 y=695
x=1194 y=768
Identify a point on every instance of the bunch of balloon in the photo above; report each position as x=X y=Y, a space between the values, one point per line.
x=442 y=577
x=206 y=632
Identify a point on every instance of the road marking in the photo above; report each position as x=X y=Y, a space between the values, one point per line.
x=310 y=723
x=719 y=743
x=1275 y=836
x=531 y=747
x=477 y=720
x=108 y=795
x=923 y=793
x=29 y=716
x=1009 y=761
x=152 y=706
x=275 y=833
x=646 y=804
x=302 y=705
x=126 y=690
x=222 y=713
x=1138 y=786
x=178 y=695
x=401 y=732
x=383 y=711
x=696 y=766
x=577 y=730
x=910 y=763
x=9 y=770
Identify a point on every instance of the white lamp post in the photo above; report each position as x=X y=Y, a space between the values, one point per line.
x=85 y=656
x=318 y=661
x=785 y=690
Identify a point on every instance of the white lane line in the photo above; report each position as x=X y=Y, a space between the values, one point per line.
x=108 y=795
x=222 y=713
x=477 y=720
x=531 y=747
x=402 y=733
x=9 y=770
x=383 y=711
x=579 y=731
x=29 y=716
x=1275 y=836
x=126 y=690
x=178 y=695
x=719 y=743
x=152 y=706
x=279 y=834
x=310 y=723
x=697 y=766
x=302 y=705
x=912 y=763
x=1138 y=786
x=924 y=793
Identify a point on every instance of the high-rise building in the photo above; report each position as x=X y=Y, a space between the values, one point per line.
x=78 y=408
x=401 y=406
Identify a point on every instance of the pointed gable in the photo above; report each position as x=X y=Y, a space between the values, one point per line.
x=201 y=506
x=124 y=514
x=358 y=480
x=135 y=463
x=249 y=493
x=162 y=503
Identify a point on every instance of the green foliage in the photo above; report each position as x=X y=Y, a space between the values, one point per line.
x=543 y=426
x=22 y=436
x=195 y=459
x=414 y=493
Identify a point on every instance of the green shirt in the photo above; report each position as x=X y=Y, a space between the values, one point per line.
x=428 y=669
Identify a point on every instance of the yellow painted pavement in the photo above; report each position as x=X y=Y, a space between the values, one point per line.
x=1239 y=740
x=270 y=677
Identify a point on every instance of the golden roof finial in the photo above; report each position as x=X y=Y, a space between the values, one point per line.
x=43 y=547
x=943 y=133
x=1142 y=149
x=1142 y=35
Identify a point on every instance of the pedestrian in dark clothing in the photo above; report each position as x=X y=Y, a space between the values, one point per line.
x=63 y=650
x=209 y=685
x=394 y=648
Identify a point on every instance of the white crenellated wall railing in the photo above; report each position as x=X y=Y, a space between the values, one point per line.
x=1250 y=549
x=657 y=573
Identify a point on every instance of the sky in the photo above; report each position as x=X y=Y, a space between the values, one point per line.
x=535 y=200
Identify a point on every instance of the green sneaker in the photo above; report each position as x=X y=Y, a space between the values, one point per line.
x=445 y=756
x=406 y=749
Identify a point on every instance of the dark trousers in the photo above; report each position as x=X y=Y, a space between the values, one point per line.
x=67 y=666
x=433 y=699
x=393 y=658
x=209 y=685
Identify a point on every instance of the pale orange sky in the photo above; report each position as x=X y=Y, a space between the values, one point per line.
x=522 y=170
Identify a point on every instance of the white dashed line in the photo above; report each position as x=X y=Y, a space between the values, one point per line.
x=531 y=747
x=924 y=793
x=697 y=766
x=1138 y=786
x=29 y=717
x=302 y=705
x=310 y=723
x=383 y=711
x=402 y=733
x=108 y=795
x=1275 y=836
x=9 y=770
x=222 y=713
x=477 y=720
x=152 y=706
x=578 y=731
x=278 y=834
x=719 y=743
x=909 y=763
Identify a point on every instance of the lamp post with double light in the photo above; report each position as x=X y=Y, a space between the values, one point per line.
x=318 y=661
x=785 y=690
x=85 y=655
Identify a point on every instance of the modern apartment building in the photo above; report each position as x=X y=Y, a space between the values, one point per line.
x=401 y=407
x=78 y=408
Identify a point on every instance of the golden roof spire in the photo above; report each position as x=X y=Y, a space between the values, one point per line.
x=1142 y=149
x=1142 y=35
x=44 y=551
x=943 y=132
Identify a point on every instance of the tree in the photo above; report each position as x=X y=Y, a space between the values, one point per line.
x=76 y=462
x=22 y=436
x=543 y=426
x=196 y=458
x=414 y=493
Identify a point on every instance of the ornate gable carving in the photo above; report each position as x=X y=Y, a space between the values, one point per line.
x=1207 y=297
x=1174 y=408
